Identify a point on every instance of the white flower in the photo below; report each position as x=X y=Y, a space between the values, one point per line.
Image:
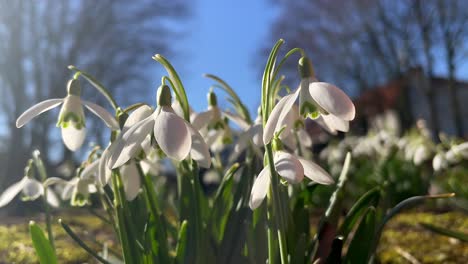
x=31 y=189
x=176 y=137
x=292 y=168
x=457 y=152
x=333 y=105
x=439 y=162
x=71 y=118
x=213 y=125
x=421 y=154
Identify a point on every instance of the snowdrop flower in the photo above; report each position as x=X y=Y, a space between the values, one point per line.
x=31 y=189
x=457 y=152
x=213 y=124
x=71 y=118
x=316 y=99
x=251 y=136
x=439 y=162
x=176 y=137
x=128 y=171
x=421 y=154
x=292 y=169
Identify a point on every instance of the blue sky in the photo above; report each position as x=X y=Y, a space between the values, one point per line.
x=222 y=37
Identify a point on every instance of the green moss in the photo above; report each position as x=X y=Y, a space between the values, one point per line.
x=16 y=245
x=404 y=236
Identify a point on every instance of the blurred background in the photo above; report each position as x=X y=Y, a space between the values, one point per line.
x=408 y=57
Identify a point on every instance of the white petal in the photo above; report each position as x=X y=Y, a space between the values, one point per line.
x=104 y=173
x=237 y=119
x=90 y=170
x=150 y=167
x=315 y=172
x=52 y=181
x=202 y=119
x=335 y=123
x=32 y=189
x=305 y=138
x=37 y=109
x=172 y=134
x=288 y=167
x=68 y=189
x=200 y=151
x=256 y=133
x=136 y=116
x=52 y=198
x=324 y=125
x=439 y=162
x=332 y=99
x=131 y=180
x=146 y=145
x=130 y=142
x=421 y=154
x=277 y=117
x=242 y=141
x=73 y=138
x=260 y=188
x=11 y=192
x=102 y=113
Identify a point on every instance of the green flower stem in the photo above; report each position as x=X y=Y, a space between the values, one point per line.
x=278 y=211
x=134 y=107
x=178 y=87
x=81 y=243
x=283 y=60
x=151 y=198
x=96 y=85
x=43 y=174
x=123 y=233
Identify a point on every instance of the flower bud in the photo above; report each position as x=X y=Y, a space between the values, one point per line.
x=305 y=68
x=212 y=99
x=164 y=97
x=74 y=87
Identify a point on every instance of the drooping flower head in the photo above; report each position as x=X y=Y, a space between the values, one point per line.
x=175 y=136
x=291 y=168
x=316 y=100
x=71 y=119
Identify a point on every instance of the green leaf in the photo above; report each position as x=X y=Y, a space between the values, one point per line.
x=179 y=87
x=181 y=243
x=370 y=198
x=328 y=224
x=361 y=246
x=96 y=85
x=236 y=100
x=446 y=232
x=44 y=249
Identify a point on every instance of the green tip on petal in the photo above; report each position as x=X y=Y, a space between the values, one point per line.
x=305 y=68
x=74 y=87
x=276 y=144
x=164 y=96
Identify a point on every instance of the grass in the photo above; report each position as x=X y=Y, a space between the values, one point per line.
x=404 y=241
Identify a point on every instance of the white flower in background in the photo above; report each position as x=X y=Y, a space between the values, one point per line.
x=316 y=99
x=421 y=154
x=298 y=129
x=457 y=152
x=31 y=190
x=292 y=169
x=176 y=137
x=213 y=124
x=439 y=162
x=251 y=136
x=71 y=118
x=77 y=190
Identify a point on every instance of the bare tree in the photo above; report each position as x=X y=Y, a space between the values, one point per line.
x=113 y=40
x=363 y=43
